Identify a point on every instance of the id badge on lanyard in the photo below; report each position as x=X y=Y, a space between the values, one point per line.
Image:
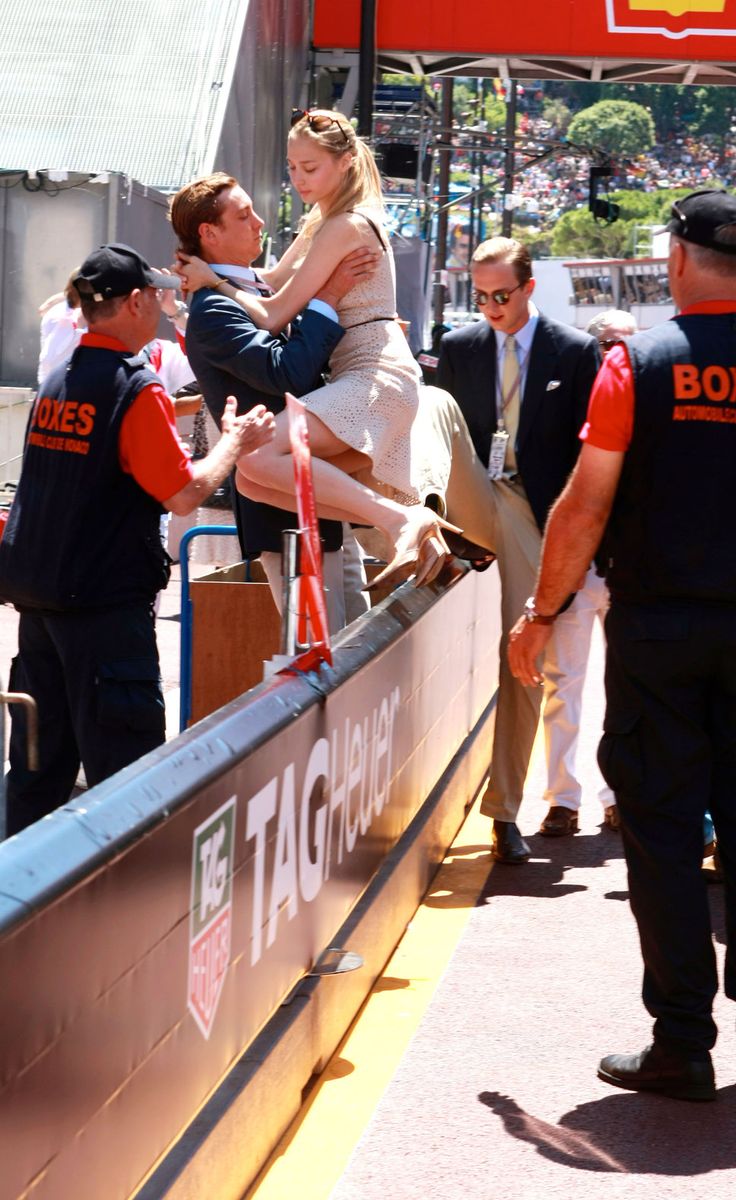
x=500 y=439
x=497 y=457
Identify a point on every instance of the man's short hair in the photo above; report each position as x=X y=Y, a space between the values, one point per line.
x=198 y=203
x=715 y=261
x=95 y=311
x=503 y=249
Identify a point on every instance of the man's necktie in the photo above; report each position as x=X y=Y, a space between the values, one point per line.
x=510 y=386
x=262 y=288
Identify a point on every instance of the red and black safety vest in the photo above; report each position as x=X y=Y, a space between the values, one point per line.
x=82 y=533
x=672 y=532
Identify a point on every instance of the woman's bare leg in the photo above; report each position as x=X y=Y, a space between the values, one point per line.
x=410 y=528
x=266 y=495
x=271 y=466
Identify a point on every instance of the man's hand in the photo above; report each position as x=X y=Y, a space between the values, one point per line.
x=356 y=266
x=240 y=435
x=250 y=431
x=169 y=301
x=194 y=273
x=527 y=641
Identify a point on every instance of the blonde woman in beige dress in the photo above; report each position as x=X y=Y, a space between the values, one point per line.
x=364 y=425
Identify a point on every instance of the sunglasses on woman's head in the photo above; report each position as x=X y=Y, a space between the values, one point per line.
x=500 y=296
x=317 y=121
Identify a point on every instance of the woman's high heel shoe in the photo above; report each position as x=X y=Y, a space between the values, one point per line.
x=420 y=550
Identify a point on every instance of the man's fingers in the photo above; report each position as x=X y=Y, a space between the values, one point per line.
x=255 y=435
x=256 y=428
x=526 y=642
x=361 y=261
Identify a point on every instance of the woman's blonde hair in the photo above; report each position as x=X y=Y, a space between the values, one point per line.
x=361 y=183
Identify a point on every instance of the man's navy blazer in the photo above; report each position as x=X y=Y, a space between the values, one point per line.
x=230 y=355
x=562 y=366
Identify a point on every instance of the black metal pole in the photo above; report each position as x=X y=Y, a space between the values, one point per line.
x=366 y=66
x=445 y=157
x=507 y=217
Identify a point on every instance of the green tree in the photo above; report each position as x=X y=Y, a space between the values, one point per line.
x=578 y=235
x=557 y=113
x=474 y=101
x=714 y=109
x=618 y=127
x=464 y=103
x=664 y=101
x=538 y=241
x=410 y=81
x=494 y=112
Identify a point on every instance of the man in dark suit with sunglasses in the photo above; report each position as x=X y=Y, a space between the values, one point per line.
x=523 y=383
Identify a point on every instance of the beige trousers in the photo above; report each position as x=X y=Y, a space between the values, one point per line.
x=454 y=470
x=517 y=710
x=444 y=464
x=497 y=514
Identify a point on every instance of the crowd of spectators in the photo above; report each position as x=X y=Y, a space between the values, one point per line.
x=682 y=161
x=544 y=190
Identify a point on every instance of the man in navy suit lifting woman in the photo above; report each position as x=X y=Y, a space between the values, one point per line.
x=215 y=218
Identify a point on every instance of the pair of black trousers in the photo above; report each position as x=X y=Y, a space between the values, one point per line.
x=669 y=753
x=96 y=680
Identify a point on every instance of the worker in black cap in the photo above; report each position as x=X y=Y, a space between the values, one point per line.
x=81 y=557
x=658 y=469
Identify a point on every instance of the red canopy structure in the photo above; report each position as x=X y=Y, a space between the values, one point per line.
x=615 y=41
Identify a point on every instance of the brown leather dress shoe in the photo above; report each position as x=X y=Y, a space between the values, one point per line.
x=660 y=1070
x=712 y=871
x=507 y=844
x=559 y=822
x=612 y=817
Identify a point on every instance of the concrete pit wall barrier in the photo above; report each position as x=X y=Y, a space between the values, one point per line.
x=156 y=935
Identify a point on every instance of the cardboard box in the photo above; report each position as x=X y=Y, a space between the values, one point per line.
x=235 y=627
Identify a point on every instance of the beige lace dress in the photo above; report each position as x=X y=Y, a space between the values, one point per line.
x=373 y=397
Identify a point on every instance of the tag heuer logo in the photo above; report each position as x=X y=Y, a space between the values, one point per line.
x=673 y=18
x=211 y=913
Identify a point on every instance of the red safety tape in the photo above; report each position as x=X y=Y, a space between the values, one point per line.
x=313 y=626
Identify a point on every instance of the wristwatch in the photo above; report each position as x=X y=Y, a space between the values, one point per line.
x=533 y=617
x=181 y=310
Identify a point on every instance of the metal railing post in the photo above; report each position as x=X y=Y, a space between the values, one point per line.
x=289 y=590
x=185 y=636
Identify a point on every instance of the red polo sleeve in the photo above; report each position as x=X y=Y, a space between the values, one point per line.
x=611 y=407
x=149 y=448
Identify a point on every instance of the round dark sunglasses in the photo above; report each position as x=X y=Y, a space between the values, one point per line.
x=317 y=121
x=500 y=296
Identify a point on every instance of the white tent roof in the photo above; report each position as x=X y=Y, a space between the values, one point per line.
x=134 y=86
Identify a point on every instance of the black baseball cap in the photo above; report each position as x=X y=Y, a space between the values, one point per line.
x=116 y=270
x=701 y=216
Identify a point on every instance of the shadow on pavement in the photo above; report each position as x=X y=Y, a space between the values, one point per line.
x=543 y=875
x=630 y=1133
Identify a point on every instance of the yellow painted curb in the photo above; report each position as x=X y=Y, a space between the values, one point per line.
x=311 y=1157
